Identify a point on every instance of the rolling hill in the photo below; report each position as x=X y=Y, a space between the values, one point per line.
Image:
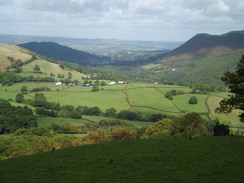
x=58 y=52
x=9 y=54
x=204 y=45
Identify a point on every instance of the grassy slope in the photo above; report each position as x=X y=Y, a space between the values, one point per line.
x=16 y=87
x=48 y=67
x=202 y=160
x=12 y=51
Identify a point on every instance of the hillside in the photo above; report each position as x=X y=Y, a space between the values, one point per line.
x=9 y=54
x=202 y=160
x=58 y=52
x=204 y=45
x=201 y=60
x=48 y=68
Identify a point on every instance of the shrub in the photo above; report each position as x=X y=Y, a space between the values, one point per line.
x=193 y=100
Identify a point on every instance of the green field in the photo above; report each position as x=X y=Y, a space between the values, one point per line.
x=147 y=112
x=47 y=121
x=201 y=160
x=182 y=102
x=231 y=119
x=114 y=87
x=151 y=98
x=102 y=99
x=17 y=87
x=143 y=85
x=144 y=99
x=168 y=88
x=220 y=94
x=78 y=88
x=137 y=124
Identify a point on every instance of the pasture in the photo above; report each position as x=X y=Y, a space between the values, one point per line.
x=47 y=68
x=47 y=121
x=151 y=98
x=101 y=99
x=143 y=98
x=182 y=102
x=201 y=159
x=231 y=119
x=168 y=88
x=17 y=87
x=138 y=124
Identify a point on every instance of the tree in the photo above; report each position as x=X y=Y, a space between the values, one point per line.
x=221 y=129
x=24 y=89
x=103 y=83
x=18 y=70
x=97 y=82
x=193 y=100
x=124 y=133
x=111 y=112
x=235 y=81
x=19 y=98
x=163 y=128
x=190 y=124
x=168 y=95
x=37 y=68
x=69 y=75
x=52 y=75
x=95 y=88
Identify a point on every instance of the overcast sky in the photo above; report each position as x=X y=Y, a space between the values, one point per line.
x=162 y=20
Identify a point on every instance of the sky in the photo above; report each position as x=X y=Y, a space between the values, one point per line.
x=155 y=20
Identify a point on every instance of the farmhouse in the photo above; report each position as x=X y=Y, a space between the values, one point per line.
x=112 y=83
x=58 y=83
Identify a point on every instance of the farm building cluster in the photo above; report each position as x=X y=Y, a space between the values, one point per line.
x=59 y=83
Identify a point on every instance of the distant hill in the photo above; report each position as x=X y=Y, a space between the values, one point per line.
x=201 y=60
x=9 y=54
x=203 y=45
x=58 y=52
x=102 y=46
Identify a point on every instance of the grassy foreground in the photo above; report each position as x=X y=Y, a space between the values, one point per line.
x=201 y=159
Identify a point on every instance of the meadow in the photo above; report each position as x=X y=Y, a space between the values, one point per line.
x=146 y=99
x=182 y=102
x=151 y=98
x=201 y=159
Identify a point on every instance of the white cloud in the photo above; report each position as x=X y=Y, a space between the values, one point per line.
x=125 y=19
x=218 y=7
